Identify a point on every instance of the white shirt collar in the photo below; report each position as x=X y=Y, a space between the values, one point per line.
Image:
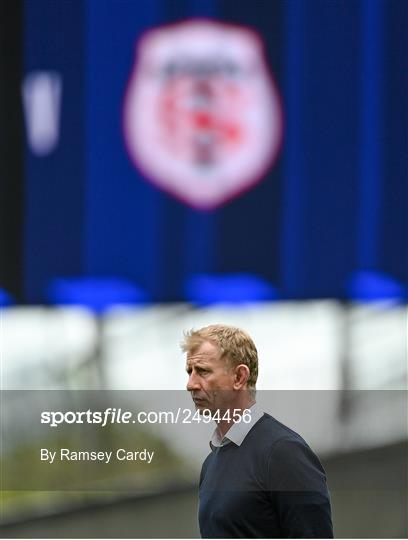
x=238 y=431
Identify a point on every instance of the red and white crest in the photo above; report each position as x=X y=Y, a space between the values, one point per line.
x=202 y=116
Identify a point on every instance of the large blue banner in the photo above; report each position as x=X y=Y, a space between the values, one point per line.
x=332 y=203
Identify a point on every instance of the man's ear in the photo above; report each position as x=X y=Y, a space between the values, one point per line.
x=241 y=376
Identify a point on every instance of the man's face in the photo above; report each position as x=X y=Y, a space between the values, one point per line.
x=210 y=378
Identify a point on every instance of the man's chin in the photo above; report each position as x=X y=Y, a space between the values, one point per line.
x=201 y=405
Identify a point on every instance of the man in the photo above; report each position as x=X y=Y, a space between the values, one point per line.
x=261 y=479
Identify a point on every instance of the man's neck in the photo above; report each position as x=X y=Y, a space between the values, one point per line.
x=237 y=409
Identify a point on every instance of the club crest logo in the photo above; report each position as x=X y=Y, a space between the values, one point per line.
x=202 y=116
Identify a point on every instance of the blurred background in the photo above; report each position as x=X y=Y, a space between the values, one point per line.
x=249 y=169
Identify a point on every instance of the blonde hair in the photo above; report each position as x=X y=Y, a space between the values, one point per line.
x=234 y=344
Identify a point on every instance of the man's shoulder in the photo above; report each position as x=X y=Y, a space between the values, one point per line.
x=268 y=432
x=288 y=458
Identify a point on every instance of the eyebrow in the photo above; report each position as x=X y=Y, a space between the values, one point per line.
x=197 y=365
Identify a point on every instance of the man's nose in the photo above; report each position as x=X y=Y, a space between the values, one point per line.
x=193 y=383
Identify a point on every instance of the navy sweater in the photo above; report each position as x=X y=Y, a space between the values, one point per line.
x=272 y=486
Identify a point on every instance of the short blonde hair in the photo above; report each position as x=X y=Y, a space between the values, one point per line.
x=234 y=344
